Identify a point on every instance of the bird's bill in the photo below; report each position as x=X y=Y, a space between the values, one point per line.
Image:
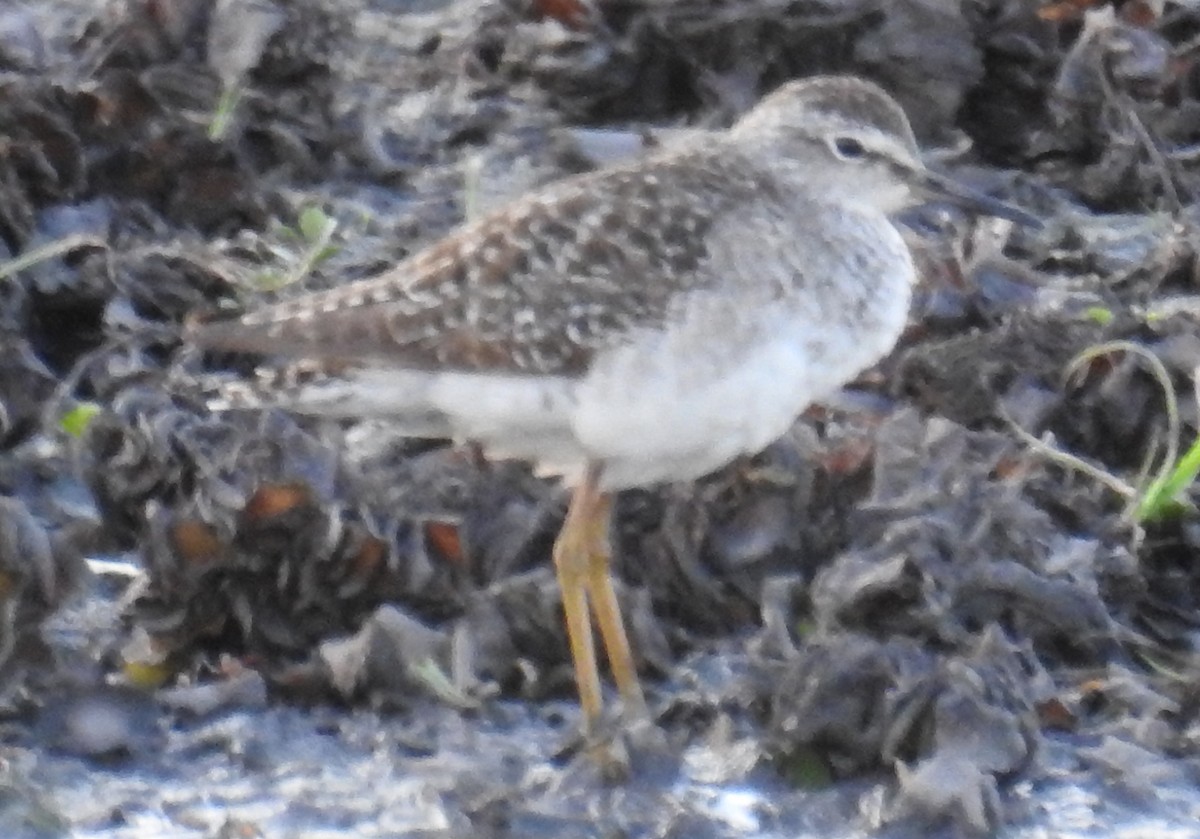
x=941 y=186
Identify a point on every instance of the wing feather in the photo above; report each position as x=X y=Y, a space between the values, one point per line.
x=537 y=287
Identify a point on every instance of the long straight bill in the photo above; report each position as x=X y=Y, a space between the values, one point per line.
x=977 y=202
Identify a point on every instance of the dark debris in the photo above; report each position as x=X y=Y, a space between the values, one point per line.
x=900 y=588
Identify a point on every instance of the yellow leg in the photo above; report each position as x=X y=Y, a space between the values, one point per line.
x=581 y=557
x=608 y=611
x=570 y=560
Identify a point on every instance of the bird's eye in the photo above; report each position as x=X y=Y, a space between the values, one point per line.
x=848 y=148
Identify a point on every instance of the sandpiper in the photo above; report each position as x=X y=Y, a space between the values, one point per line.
x=642 y=324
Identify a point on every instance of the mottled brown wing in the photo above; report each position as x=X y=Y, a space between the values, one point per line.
x=538 y=286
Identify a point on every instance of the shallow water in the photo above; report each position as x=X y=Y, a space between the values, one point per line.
x=325 y=772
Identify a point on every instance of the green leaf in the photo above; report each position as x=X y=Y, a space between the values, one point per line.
x=269 y=281
x=1162 y=498
x=806 y=768
x=76 y=420
x=315 y=225
x=222 y=117
x=431 y=677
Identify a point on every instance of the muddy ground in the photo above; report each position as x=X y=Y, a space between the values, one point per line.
x=941 y=605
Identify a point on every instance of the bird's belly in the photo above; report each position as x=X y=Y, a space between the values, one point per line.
x=685 y=408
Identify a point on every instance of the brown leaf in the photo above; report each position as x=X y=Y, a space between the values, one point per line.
x=272 y=500
x=1067 y=10
x=195 y=541
x=446 y=541
x=1054 y=714
x=573 y=14
x=369 y=556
